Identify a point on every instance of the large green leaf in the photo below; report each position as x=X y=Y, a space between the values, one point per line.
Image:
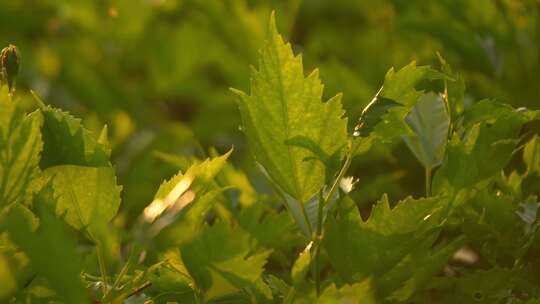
x=87 y=197
x=358 y=249
x=52 y=251
x=429 y=122
x=20 y=147
x=290 y=131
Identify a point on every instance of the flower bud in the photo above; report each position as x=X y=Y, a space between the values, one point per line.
x=9 y=62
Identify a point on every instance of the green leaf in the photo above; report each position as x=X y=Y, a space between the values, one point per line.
x=52 y=252
x=495 y=285
x=455 y=90
x=67 y=142
x=358 y=249
x=172 y=278
x=298 y=212
x=372 y=114
x=489 y=135
x=196 y=179
x=355 y=293
x=20 y=147
x=184 y=227
x=531 y=155
x=493 y=224
x=270 y=229
x=429 y=121
x=302 y=265
x=284 y=105
x=87 y=197
x=384 y=117
x=413 y=274
x=9 y=282
x=219 y=263
x=529 y=213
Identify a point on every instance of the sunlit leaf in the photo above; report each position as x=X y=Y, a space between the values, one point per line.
x=20 y=148
x=284 y=105
x=87 y=197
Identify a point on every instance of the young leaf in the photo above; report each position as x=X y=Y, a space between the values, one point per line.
x=184 y=227
x=20 y=147
x=372 y=114
x=197 y=178
x=455 y=90
x=52 y=252
x=302 y=265
x=384 y=117
x=429 y=121
x=285 y=106
x=87 y=197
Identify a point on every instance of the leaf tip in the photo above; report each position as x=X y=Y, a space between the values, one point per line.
x=272 y=28
x=39 y=101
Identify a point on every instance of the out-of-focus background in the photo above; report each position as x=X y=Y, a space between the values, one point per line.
x=158 y=72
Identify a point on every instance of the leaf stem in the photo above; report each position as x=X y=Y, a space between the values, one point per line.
x=127 y=266
x=316 y=265
x=341 y=174
x=139 y=289
x=102 y=267
x=318 y=236
x=428 y=182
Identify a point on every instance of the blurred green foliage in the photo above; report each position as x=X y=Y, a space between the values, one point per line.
x=157 y=71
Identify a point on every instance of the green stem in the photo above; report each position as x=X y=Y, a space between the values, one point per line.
x=127 y=266
x=139 y=289
x=341 y=174
x=102 y=268
x=317 y=266
x=428 y=182
x=317 y=238
x=315 y=252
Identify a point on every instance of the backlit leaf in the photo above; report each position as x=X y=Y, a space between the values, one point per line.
x=20 y=148
x=87 y=197
x=284 y=105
